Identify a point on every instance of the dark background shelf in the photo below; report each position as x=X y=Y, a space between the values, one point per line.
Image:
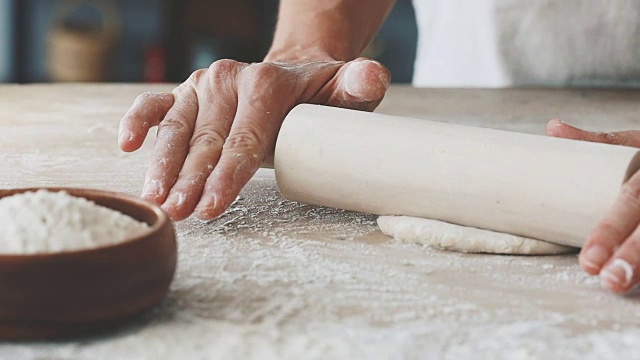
x=185 y=35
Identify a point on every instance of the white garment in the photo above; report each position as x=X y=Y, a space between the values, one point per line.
x=457 y=45
x=498 y=43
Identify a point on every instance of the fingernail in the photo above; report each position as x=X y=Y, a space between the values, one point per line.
x=175 y=200
x=560 y=122
x=352 y=79
x=595 y=256
x=618 y=273
x=205 y=211
x=124 y=135
x=181 y=198
x=152 y=188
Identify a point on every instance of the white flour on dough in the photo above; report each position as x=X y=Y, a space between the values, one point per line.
x=445 y=236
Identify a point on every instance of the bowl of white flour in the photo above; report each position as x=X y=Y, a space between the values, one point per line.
x=75 y=260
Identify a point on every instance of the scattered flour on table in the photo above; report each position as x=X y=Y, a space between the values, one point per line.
x=445 y=236
x=274 y=279
x=46 y=222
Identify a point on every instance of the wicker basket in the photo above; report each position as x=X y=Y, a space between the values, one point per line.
x=83 y=54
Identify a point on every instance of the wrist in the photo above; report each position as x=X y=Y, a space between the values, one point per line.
x=298 y=53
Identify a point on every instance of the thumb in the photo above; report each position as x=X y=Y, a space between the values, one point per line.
x=558 y=128
x=361 y=85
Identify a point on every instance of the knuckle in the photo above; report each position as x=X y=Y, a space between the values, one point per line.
x=630 y=192
x=221 y=69
x=611 y=137
x=260 y=82
x=155 y=97
x=145 y=96
x=207 y=138
x=196 y=76
x=141 y=103
x=262 y=72
x=615 y=139
x=607 y=231
x=173 y=126
x=246 y=139
x=186 y=182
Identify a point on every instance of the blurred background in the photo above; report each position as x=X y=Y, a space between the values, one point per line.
x=157 y=40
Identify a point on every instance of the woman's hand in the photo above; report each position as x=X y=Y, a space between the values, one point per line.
x=613 y=248
x=219 y=126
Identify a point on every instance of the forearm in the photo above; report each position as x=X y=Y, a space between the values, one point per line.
x=326 y=29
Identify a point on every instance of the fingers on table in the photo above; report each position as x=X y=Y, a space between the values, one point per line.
x=221 y=127
x=255 y=126
x=613 y=249
x=146 y=112
x=217 y=103
x=172 y=144
x=558 y=128
x=620 y=274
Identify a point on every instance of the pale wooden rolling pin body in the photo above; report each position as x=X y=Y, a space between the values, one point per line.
x=535 y=186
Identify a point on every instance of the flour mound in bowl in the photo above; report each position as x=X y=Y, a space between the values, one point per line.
x=48 y=222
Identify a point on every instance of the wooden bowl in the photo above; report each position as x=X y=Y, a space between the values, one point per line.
x=68 y=293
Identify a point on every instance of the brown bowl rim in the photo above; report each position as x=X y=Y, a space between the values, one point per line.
x=148 y=206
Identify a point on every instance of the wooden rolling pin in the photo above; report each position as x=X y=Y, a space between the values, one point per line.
x=534 y=186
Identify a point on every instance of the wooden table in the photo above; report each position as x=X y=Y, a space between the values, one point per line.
x=276 y=279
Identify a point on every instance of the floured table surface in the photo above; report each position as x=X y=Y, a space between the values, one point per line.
x=276 y=279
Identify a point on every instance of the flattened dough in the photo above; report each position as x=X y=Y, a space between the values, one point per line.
x=445 y=236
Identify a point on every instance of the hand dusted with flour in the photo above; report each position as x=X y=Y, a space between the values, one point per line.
x=612 y=248
x=219 y=126
x=47 y=222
